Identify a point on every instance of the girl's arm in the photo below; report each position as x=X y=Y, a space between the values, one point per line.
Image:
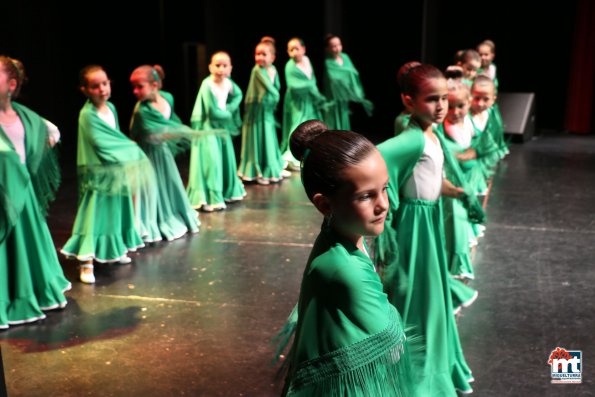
x=53 y=133
x=450 y=190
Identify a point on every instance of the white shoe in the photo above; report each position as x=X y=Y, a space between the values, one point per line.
x=125 y=259
x=87 y=278
x=262 y=181
x=285 y=174
x=207 y=208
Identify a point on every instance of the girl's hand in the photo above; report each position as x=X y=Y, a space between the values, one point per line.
x=450 y=190
x=469 y=154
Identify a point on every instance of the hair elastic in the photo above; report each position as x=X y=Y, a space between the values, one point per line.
x=155 y=74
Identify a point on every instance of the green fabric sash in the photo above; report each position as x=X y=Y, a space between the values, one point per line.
x=342 y=83
x=208 y=116
x=41 y=159
x=108 y=160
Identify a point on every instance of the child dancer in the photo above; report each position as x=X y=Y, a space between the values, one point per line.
x=31 y=279
x=487 y=52
x=487 y=123
x=342 y=85
x=459 y=132
x=470 y=62
x=111 y=168
x=152 y=122
x=213 y=179
x=303 y=101
x=349 y=339
x=411 y=249
x=261 y=157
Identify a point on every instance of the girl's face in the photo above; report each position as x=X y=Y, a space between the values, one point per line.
x=359 y=207
x=296 y=50
x=98 y=88
x=470 y=69
x=7 y=85
x=486 y=54
x=263 y=56
x=483 y=97
x=430 y=104
x=142 y=88
x=335 y=48
x=458 y=106
x=220 y=66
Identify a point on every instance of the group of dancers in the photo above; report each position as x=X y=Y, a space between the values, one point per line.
x=359 y=320
x=384 y=324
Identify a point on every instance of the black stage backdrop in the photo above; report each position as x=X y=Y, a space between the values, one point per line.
x=55 y=40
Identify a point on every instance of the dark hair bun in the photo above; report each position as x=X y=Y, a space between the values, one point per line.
x=304 y=135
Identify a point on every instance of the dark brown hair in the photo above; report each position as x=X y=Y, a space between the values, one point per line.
x=15 y=70
x=403 y=70
x=483 y=80
x=470 y=55
x=328 y=38
x=413 y=77
x=325 y=154
x=86 y=71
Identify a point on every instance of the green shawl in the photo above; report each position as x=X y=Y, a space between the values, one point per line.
x=107 y=159
x=208 y=116
x=261 y=91
x=149 y=127
x=41 y=160
x=401 y=122
x=349 y=340
x=342 y=83
x=14 y=180
x=302 y=101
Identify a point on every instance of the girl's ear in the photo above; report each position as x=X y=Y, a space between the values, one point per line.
x=407 y=101
x=322 y=204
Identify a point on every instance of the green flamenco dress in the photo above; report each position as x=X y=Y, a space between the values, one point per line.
x=342 y=85
x=456 y=220
x=111 y=170
x=411 y=254
x=349 y=340
x=261 y=157
x=302 y=102
x=31 y=279
x=159 y=137
x=212 y=178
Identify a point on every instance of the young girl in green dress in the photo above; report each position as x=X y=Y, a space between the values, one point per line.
x=31 y=279
x=261 y=157
x=302 y=101
x=349 y=340
x=341 y=85
x=156 y=127
x=213 y=179
x=411 y=250
x=111 y=170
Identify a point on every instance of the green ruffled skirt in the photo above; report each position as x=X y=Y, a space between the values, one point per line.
x=31 y=279
x=419 y=285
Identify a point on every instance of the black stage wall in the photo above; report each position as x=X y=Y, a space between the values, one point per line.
x=533 y=52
